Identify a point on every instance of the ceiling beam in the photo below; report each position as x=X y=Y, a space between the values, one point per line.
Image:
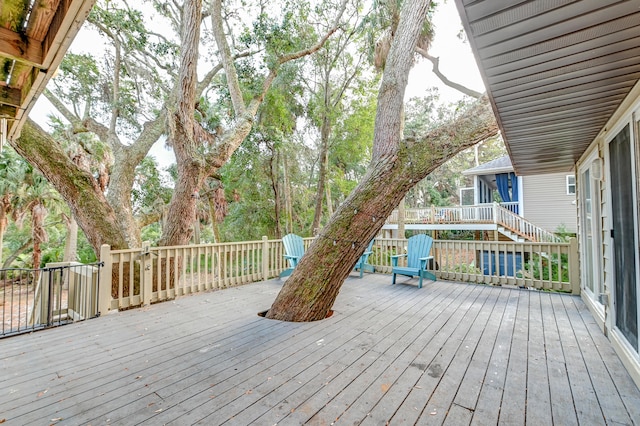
x=41 y=17
x=7 y=111
x=10 y=96
x=70 y=14
x=21 y=48
x=69 y=17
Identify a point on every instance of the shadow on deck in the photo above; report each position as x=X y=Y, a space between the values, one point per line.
x=448 y=353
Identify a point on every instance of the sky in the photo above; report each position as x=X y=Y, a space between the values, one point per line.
x=456 y=62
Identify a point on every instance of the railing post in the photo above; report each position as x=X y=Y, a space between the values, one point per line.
x=104 y=290
x=574 y=266
x=146 y=273
x=265 y=258
x=495 y=212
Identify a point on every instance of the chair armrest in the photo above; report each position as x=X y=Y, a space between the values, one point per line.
x=367 y=253
x=294 y=259
x=395 y=257
x=423 y=262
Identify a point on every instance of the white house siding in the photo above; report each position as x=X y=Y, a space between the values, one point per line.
x=546 y=203
x=629 y=356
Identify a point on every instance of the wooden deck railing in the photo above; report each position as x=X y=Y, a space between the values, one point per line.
x=500 y=214
x=153 y=274
x=544 y=266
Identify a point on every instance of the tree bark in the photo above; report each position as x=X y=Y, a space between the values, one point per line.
x=310 y=292
x=329 y=200
x=13 y=256
x=3 y=225
x=276 y=186
x=324 y=165
x=71 y=242
x=90 y=207
x=38 y=234
x=401 y=211
x=288 y=205
x=123 y=172
x=182 y=208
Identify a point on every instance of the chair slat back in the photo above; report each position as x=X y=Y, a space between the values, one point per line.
x=418 y=246
x=293 y=245
x=365 y=256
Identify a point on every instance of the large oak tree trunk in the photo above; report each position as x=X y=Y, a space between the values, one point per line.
x=310 y=292
x=182 y=208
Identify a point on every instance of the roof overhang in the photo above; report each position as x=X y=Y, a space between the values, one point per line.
x=34 y=37
x=499 y=165
x=487 y=171
x=555 y=71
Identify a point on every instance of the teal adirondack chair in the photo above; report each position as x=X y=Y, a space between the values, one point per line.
x=418 y=249
x=362 y=264
x=294 y=250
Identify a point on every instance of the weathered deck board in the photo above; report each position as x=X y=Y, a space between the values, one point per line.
x=445 y=354
x=188 y=382
x=618 y=404
x=515 y=383
x=538 y=394
x=319 y=393
x=562 y=404
x=587 y=408
x=392 y=327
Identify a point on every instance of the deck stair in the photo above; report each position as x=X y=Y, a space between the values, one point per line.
x=511 y=235
x=504 y=220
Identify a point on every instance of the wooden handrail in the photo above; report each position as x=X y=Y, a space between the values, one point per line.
x=522 y=227
x=135 y=277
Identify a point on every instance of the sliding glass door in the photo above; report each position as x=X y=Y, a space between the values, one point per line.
x=624 y=235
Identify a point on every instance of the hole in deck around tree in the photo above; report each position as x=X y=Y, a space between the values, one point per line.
x=263 y=314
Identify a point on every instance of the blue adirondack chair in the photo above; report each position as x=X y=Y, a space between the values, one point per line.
x=294 y=249
x=418 y=249
x=362 y=264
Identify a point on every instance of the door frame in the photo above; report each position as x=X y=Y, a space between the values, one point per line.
x=608 y=227
x=596 y=230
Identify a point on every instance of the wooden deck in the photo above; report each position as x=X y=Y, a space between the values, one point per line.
x=448 y=353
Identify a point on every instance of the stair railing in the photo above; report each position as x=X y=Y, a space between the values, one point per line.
x=522 y=227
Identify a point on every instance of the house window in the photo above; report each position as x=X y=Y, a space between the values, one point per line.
x=571 y=185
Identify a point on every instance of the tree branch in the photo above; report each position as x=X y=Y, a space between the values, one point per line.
x=436 y=70
x=206 y=80
x=232 y=138
x=75 y=121
x=255 y=102
x=98 y=128
x=227 y=60
x=77 y=187
x=148 y=218
x=115 y=87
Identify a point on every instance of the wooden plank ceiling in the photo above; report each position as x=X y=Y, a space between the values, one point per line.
x=555 y=71
x=34 y=36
